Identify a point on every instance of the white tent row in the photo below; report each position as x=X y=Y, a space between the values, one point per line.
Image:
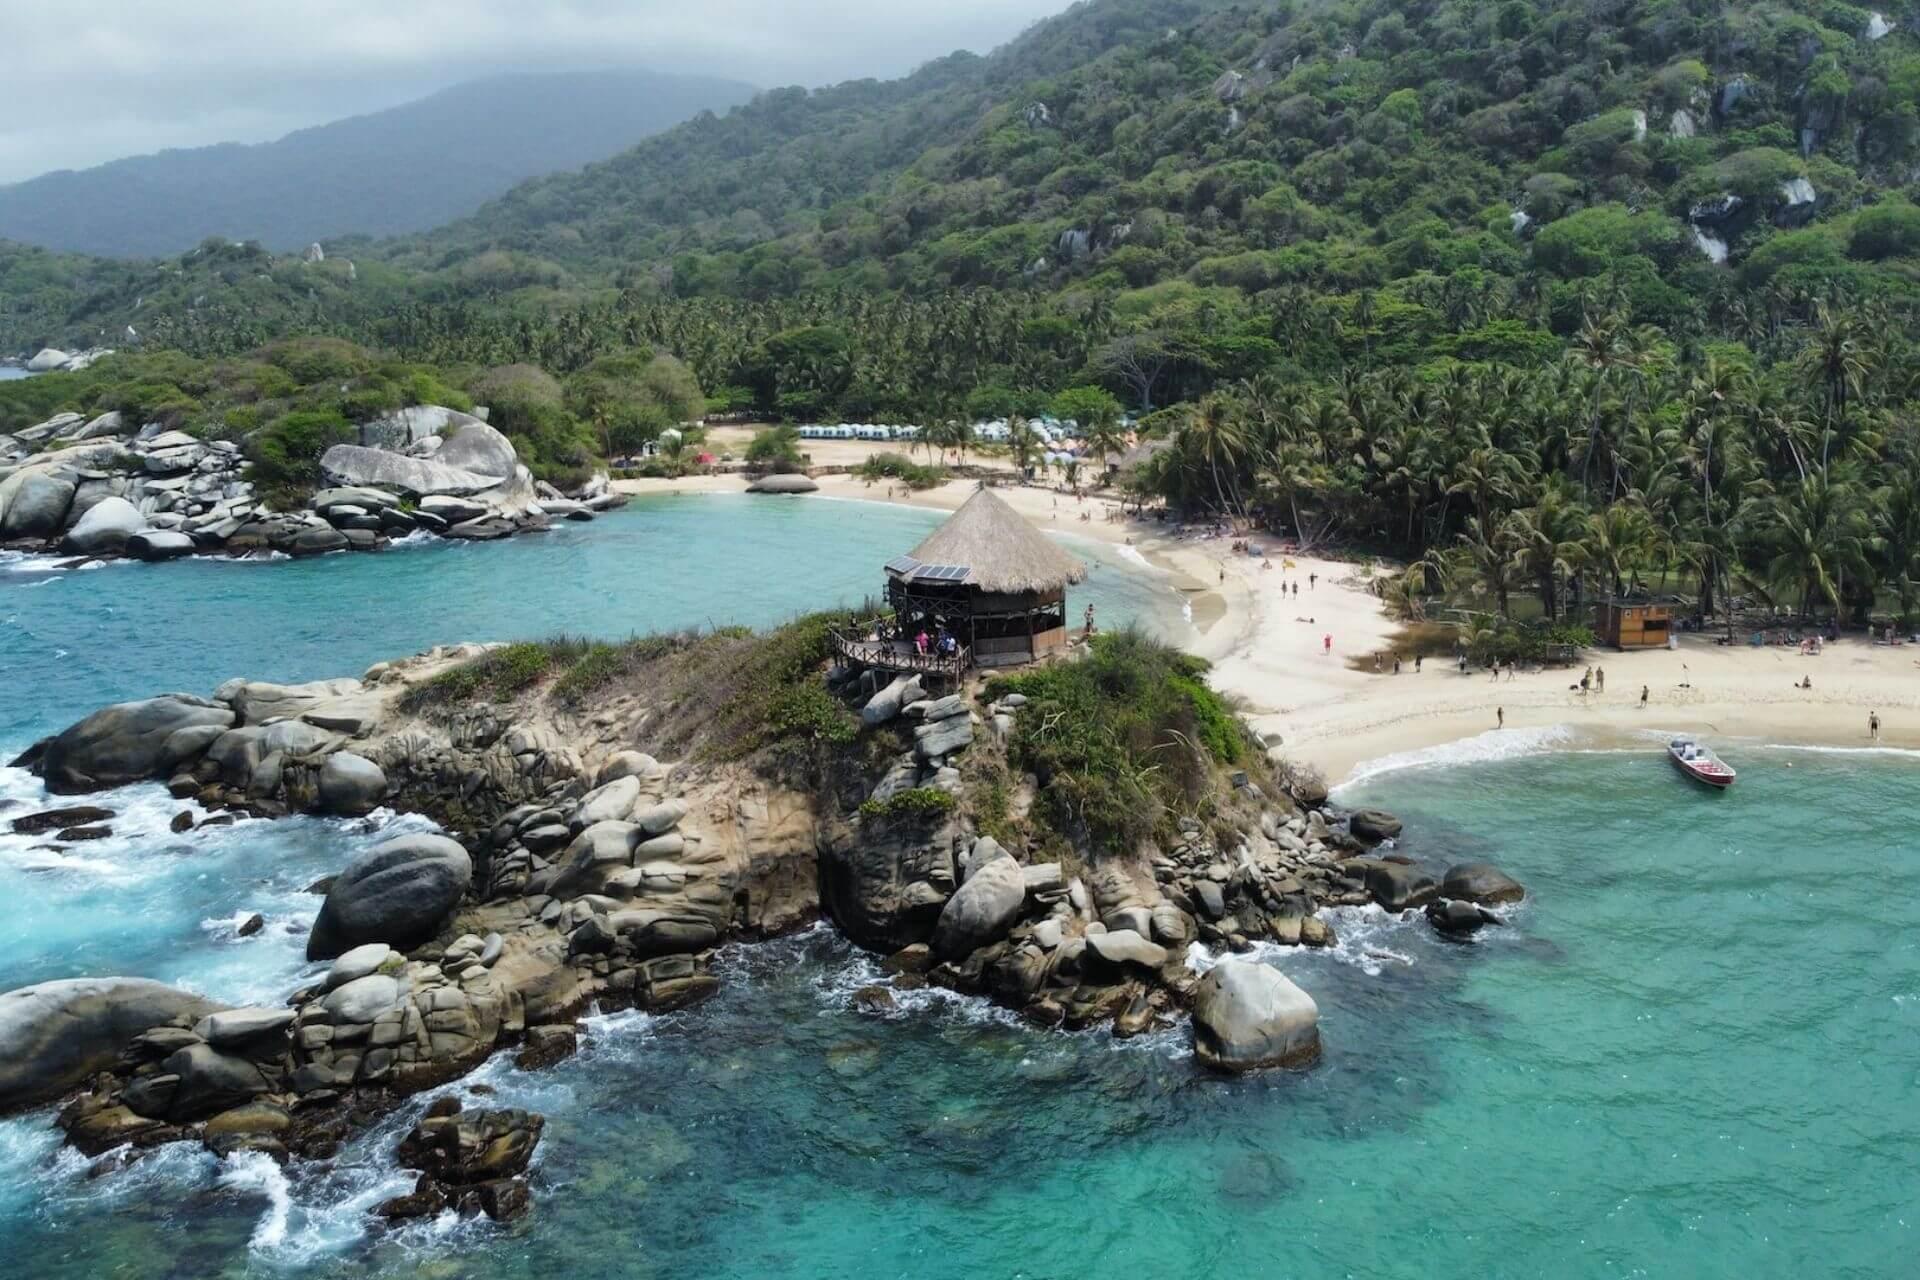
x=858 y=431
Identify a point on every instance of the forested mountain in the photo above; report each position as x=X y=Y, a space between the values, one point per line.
x=405 y=169
x=1545 y=297
x=1307 y=183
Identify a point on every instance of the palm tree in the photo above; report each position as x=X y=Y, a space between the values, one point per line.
x=1022 y=443
x=1216 y=431
x=1491 y=561
x=1820 y=531
x=1898 y=530
x=1547 y=539
x=1619 y=538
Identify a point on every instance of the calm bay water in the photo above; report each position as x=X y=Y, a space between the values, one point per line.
x=1694 y=1051
x=126 y=630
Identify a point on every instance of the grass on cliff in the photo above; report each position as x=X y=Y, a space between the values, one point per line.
x=720 y=695
x=1123 y=741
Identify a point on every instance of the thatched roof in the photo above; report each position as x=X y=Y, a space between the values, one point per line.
x=996 y=547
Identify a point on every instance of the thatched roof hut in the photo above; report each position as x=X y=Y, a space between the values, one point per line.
x=1000 y=550
x=990 y=581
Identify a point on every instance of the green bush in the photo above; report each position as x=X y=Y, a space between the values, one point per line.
x=914 y=802
x=1890 y=229
x=1124 y=739
x=897 y=466
x=286 y=452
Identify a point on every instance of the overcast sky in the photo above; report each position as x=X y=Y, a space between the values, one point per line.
x=91 y=82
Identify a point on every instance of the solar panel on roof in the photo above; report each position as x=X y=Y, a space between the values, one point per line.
x=902 y=564
x=943 y=572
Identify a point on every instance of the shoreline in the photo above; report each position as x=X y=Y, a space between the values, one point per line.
x=1272 y=658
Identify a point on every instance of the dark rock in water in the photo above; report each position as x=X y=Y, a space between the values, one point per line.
x=79 y=815
x=874 y=1000
x=1458 y=919
x=1481 y=882
x=546 y=1046
x=1399 y=887
x=426 y=1201
x=1255 y=1178
x=75 y=835
x=253 y=924
x=218 y=820
x=182 y=822
x=473 y=1146
x=1373 y=826
x=917 y=958
x=502 y=1200
x=1136 y=1019
x=397 y=892
x=321 y=885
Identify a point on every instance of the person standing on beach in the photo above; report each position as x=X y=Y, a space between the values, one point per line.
x=1416 y=662
x=1873 y=725
x=1326 y=644
x=1312 y=578
x=1500 y=713
x=1643 y=697
x=1599 y=679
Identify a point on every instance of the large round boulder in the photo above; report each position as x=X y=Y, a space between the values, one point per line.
x=398 y=892
x=1247 y=1016
x=34 y=504
x=129 y=742
x=788 y=484
x=1481 y=882
x=982 y=909
x=474 y=446
x=159 y=544
x=1371 y=826
x=351 y=785
x=105 y=527
x=54 y=1035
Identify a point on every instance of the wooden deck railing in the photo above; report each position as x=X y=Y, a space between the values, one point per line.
x=900 y=655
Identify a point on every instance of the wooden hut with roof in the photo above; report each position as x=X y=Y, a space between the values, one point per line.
x=988 y=580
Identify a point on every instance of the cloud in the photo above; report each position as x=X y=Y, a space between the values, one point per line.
x=123 y=77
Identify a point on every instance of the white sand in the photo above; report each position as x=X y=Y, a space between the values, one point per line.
x=1268 y=652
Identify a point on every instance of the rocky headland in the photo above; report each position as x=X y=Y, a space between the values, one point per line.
x=108 y=486
x=614 y=814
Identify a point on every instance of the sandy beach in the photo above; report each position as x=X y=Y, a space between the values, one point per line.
x=1268 y=647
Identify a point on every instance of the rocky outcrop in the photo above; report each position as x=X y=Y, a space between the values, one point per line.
x=192 y=494
x=55 y=1035
x=128 y=742
x=885 y=881
x=469 y=1160
x=1247 y=1016
x=399 y=892
x=982 y=909
x=105 y=527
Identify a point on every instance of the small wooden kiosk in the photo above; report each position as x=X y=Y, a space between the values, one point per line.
x=988 y=581
x=1633 y=624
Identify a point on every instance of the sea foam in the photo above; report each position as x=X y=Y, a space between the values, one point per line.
x=1495 y=744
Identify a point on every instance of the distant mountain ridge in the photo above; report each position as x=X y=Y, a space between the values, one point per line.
x=386 y=173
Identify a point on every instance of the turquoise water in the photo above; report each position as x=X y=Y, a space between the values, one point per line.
x=1694 y=1051
x=125 y=630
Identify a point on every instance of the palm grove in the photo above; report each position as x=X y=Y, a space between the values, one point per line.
x=1547 y=298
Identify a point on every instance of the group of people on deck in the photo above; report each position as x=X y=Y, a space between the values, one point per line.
x=941 y=643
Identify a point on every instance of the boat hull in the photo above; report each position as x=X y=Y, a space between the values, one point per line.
x=1717 y=776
